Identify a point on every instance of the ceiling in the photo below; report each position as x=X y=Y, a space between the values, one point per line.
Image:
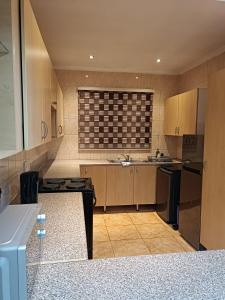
x=129 y=35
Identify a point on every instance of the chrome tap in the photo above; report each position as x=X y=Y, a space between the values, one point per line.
x=126 y=156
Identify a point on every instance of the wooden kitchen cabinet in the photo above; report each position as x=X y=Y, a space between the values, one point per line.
x=40 y=85
x=144 y=184
x=98 y=176
x=213 y=191
x=171 y=115
x=181 y=113
x=119 y=186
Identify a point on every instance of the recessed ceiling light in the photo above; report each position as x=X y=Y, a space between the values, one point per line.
x=158 y=60
x=91 y=56
x=137 y=77
x=86 y=76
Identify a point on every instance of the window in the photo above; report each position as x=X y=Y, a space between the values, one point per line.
x=114 y=119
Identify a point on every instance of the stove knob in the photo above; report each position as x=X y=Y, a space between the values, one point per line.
x=41 y=233
x=41 y=218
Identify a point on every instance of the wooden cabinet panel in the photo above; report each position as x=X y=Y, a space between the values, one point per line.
x=98 y=176
x=181 y=114
x=60 y=112
x=144 y=184
x=171 y=116
x=213 y=193
x=119 y=185
x=37 y=80
x=188 y=103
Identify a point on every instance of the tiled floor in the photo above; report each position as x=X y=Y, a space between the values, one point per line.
x=134 y=233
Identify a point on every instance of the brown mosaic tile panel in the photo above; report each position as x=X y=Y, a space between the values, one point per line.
x=115 y=120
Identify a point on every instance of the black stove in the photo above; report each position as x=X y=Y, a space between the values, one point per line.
x=83 y=185
x=57 y=185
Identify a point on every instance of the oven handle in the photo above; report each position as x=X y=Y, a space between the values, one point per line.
x=94 y=196
x=165 y=171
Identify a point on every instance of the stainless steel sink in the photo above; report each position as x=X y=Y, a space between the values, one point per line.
x=121 y=161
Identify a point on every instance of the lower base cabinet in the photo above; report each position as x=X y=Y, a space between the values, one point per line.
x=117 y=185
x=98 y=176
x=144 y=184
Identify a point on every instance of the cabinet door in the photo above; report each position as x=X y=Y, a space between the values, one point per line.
x=32 y=69
x=36 y=81
x=213 y=192
x=60 y=112
x=188 y=103
x=171 y=116
x=47 y=97
x=98 y=177
x=119 y=186
x=144 y=184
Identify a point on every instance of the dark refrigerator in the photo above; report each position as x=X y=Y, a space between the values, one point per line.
x=191 y=189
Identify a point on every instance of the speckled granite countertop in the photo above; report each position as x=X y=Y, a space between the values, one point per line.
x=196 y=275
x=65 y=229
x=135 y=162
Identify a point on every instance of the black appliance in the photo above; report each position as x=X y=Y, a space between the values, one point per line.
x=191 y=189
x=84 y=185
x=29 y=187
x=168 y=193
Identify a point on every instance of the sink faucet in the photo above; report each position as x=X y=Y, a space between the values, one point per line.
x=126 y=156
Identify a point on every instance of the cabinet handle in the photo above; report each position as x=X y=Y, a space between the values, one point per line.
x=136 y=170
x=42 y=129
x=60 y=129
x=85 y=171
x=175 y=130
x=46 y=133
x=178 y=130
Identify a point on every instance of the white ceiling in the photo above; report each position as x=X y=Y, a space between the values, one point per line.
x=129 y=35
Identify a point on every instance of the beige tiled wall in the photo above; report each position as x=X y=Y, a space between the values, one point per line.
x=163 y=86
x=11 y=167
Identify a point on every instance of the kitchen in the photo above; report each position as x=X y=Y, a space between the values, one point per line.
x=89 y=109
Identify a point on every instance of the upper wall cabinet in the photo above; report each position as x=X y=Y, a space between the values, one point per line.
x=40 y=85
x=181 y=112
x=36 y=81
x=11 y=140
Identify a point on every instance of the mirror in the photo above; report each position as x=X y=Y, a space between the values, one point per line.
x=10 y=79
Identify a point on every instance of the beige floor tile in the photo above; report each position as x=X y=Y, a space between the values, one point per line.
x=98 y=219
x=102 y=250
x=127 y=232
x=163 y=245
x=152 y=230
x=129 y=248
x=117 y=219
x=184 y=244
x=100 y=233
x=143 y=218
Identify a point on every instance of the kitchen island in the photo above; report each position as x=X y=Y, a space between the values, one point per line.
x=195 y=275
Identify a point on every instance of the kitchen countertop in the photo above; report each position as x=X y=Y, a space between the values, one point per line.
x=65 y=228
x=135 y=162
x=195 y=275
x=71 y=168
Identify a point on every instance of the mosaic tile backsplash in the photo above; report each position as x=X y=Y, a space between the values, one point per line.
x=115 y=120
